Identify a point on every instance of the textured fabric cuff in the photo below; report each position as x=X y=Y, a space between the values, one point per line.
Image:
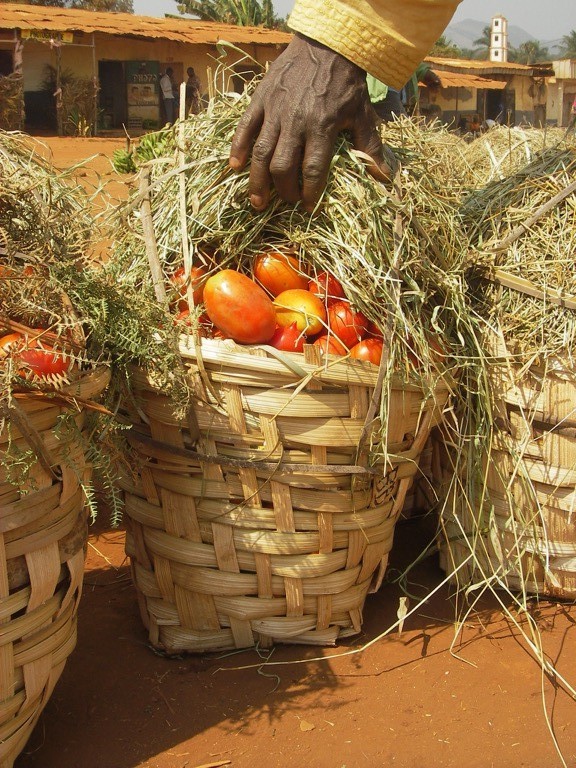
x=386 y=39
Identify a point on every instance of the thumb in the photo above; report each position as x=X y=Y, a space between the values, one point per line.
x=380 y=161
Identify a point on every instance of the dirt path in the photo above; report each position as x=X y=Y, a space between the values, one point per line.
x=410 y=700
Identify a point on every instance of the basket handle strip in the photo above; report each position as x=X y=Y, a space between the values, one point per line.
x=525 y=225
x=522 y=285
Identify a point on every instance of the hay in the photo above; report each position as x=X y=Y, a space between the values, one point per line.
x=503 y=150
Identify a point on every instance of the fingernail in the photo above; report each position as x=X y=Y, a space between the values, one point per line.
x=234 y=163
x=257 y=202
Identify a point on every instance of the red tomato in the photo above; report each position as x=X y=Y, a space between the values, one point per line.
x=277 y=272
x=368 y=349
x=197 y=280
x=349 y=325
x=330 y=345
x=239 y=307
x=374 y=330
x=190 y=320
x=37 y=358
x=327 y=288
x=300 y=307
x=288 y=338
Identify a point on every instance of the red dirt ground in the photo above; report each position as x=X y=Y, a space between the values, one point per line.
x=409 y=700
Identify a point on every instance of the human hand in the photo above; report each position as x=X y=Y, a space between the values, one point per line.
x=309 y=94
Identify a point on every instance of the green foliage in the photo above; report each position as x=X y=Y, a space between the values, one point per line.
x=568 y=45
x=243 y=13
x=446 y=48
x=529 y=52
x=124 y=6
x=149 y=147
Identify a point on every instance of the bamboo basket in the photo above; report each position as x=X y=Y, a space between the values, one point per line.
x=43 y=534
x=257 y=518
x=529 y=503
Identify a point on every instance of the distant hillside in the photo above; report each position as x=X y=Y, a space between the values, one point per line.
x=463 y=34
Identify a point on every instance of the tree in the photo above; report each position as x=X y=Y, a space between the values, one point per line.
x=568 y=45
x=483 y=43
x=243 y=13
x=446 y=49
x=529 y=52
x=124 y=6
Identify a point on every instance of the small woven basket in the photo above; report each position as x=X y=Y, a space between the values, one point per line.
x=529 y=507
x=257 y=518
x=43 y=533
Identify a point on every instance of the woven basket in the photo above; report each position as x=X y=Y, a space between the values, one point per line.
x=256 y=519
x=530 y=501
x=43 y=532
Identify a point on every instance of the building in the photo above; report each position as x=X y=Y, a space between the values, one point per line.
x=104 y=68
x=499 y=39
x=508 y=93
x=561 y=91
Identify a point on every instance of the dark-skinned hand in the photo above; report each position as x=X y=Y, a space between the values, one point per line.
x=308 y=96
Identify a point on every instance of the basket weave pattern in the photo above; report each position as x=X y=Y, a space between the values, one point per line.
x=43 y=533
x=256 y=519
x=531 y=483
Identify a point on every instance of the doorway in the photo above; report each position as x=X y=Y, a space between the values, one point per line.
x=112 y=99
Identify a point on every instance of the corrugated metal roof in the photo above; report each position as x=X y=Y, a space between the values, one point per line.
x=458 y=80
x=486 y=67
x=16 y=16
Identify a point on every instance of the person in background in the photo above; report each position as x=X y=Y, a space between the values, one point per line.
x=572 y=123
x=192 y=92
x=389 y=103
x=317 y=88
x=167 y=92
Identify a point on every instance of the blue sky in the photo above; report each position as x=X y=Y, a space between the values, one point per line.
x=545 y=21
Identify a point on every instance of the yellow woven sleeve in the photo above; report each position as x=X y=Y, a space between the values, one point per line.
x=387 y=38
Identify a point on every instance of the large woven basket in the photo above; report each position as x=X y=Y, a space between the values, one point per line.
x=43 y=533
x=528 y=510
x=257 y=518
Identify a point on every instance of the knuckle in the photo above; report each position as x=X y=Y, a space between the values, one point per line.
x=262 y=151
x=313 y=171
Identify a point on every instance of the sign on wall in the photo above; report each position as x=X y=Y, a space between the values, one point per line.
x=47 y=36
x=143 y=93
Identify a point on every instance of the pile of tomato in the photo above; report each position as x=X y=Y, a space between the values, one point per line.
x=33 y=356
x=35 y=353
x=280 y=306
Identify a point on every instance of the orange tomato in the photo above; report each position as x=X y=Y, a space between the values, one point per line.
x=277 y=272
x=330 y=345
x=36 y=358
x=349 y=325
x=369 y=349
x=239 y=307
x=327 y=288
x=301 y=307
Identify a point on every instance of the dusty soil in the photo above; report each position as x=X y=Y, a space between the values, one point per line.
x=426 y=697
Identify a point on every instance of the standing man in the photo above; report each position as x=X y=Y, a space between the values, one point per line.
x=167 y=91
x=192 y=92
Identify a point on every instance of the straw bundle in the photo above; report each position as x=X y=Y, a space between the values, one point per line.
x=502 y=151
x=518 y=518
x=11 y=102
x=269 y=484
